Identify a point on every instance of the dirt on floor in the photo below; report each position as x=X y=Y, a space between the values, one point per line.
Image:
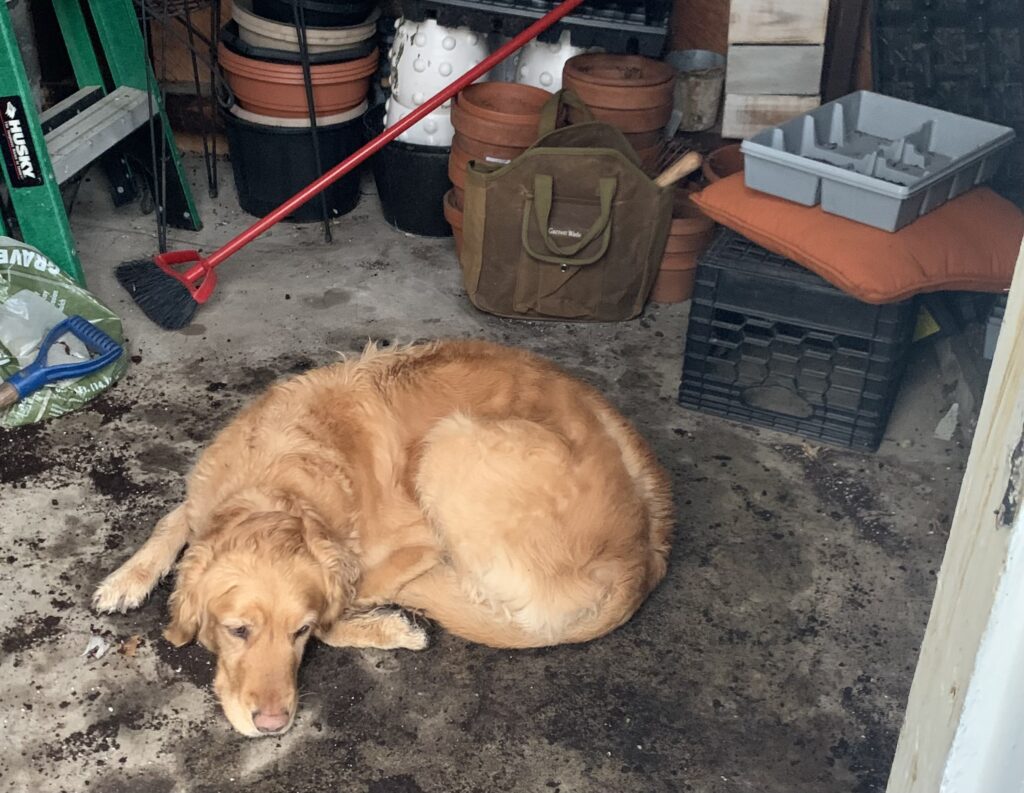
x=776 y=656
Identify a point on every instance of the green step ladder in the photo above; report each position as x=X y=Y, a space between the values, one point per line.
x=102 y=121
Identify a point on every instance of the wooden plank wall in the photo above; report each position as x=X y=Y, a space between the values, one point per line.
x=775 y=58
x=747 y=115
x=793 y=69
x=777 y=21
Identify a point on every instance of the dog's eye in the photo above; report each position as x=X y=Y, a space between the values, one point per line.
x=239 y=631
x=301 y=631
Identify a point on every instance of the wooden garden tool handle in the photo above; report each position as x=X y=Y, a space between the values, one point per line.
x=681 y=168
x=8 y=395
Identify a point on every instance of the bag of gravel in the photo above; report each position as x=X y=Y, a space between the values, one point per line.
x=34 y=296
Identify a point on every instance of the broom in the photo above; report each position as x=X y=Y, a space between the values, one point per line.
x=170 y=296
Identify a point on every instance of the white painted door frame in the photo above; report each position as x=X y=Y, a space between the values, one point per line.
x=964 y=726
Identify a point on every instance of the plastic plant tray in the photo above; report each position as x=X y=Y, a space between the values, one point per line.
x=616 y=25
x=874 y=159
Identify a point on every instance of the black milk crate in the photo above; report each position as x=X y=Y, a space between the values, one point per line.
x=623 y=26
x=771 y=344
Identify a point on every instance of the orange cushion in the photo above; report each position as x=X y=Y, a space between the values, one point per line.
x=969 y=243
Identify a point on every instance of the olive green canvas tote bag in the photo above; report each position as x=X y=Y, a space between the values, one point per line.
x=572 y=229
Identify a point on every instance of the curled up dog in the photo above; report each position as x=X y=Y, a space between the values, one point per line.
x=474 y=483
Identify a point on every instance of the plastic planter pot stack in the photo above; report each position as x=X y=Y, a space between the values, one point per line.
x=412 y=171
x=425 y=58
x=318 y=13
x=541 y=62
x=269 y=126
x=411 y=182
x=272 y=159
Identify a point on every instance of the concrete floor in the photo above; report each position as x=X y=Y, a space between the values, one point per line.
x=776 y=657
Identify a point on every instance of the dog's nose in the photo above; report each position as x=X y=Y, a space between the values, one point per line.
x=270 y=722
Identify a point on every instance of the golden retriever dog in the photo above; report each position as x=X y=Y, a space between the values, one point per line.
x=473 y=483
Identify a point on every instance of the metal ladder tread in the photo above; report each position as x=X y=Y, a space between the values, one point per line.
x=54 y=116
x=81 y=140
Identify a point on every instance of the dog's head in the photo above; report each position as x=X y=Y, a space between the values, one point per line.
x=254 y=595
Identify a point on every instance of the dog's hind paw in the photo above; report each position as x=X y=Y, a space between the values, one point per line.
x=381 y=628
x=416 y=636
x=123 y=590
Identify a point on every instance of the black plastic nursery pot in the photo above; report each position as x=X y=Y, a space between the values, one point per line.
x=411 y=182
x=318 y=13
x=272 y=163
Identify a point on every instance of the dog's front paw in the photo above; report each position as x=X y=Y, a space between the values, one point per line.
x=123 y=590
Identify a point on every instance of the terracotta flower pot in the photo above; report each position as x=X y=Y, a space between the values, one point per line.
x=620 y=82
x=689 y=243
x=673 y=286
x=676 y=276
x=723 y=162
x=504 y=114
x=488 y=152
x=680 y=261
x=690 y=234
x=457 y=164
x=650 y=157
x=687 y=218
x=634 y=121
x=645 y=140
x=453 y=214
x=276 y=89
x=508 y=103
x=460 y=158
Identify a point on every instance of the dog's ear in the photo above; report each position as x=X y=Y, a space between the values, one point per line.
x=340 y=566
x=186 y=604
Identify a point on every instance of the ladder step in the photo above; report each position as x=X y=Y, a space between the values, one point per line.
x=60 y=113
x=78 y=142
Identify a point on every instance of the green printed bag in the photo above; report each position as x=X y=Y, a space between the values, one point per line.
x=30 y=282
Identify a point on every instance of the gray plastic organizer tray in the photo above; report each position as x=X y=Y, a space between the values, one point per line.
x=874 y=159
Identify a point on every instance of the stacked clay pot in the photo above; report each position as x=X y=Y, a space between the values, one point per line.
x=268 y=126
x=722 y=162
x=689 y=236
x=494 y=122
x=453 y=214
x=630 y=92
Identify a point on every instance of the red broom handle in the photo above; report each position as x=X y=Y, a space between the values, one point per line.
x=368 y=150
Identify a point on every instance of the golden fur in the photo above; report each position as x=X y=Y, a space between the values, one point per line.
x=471 y=482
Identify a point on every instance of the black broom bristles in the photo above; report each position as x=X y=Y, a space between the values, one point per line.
x=162 y=297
